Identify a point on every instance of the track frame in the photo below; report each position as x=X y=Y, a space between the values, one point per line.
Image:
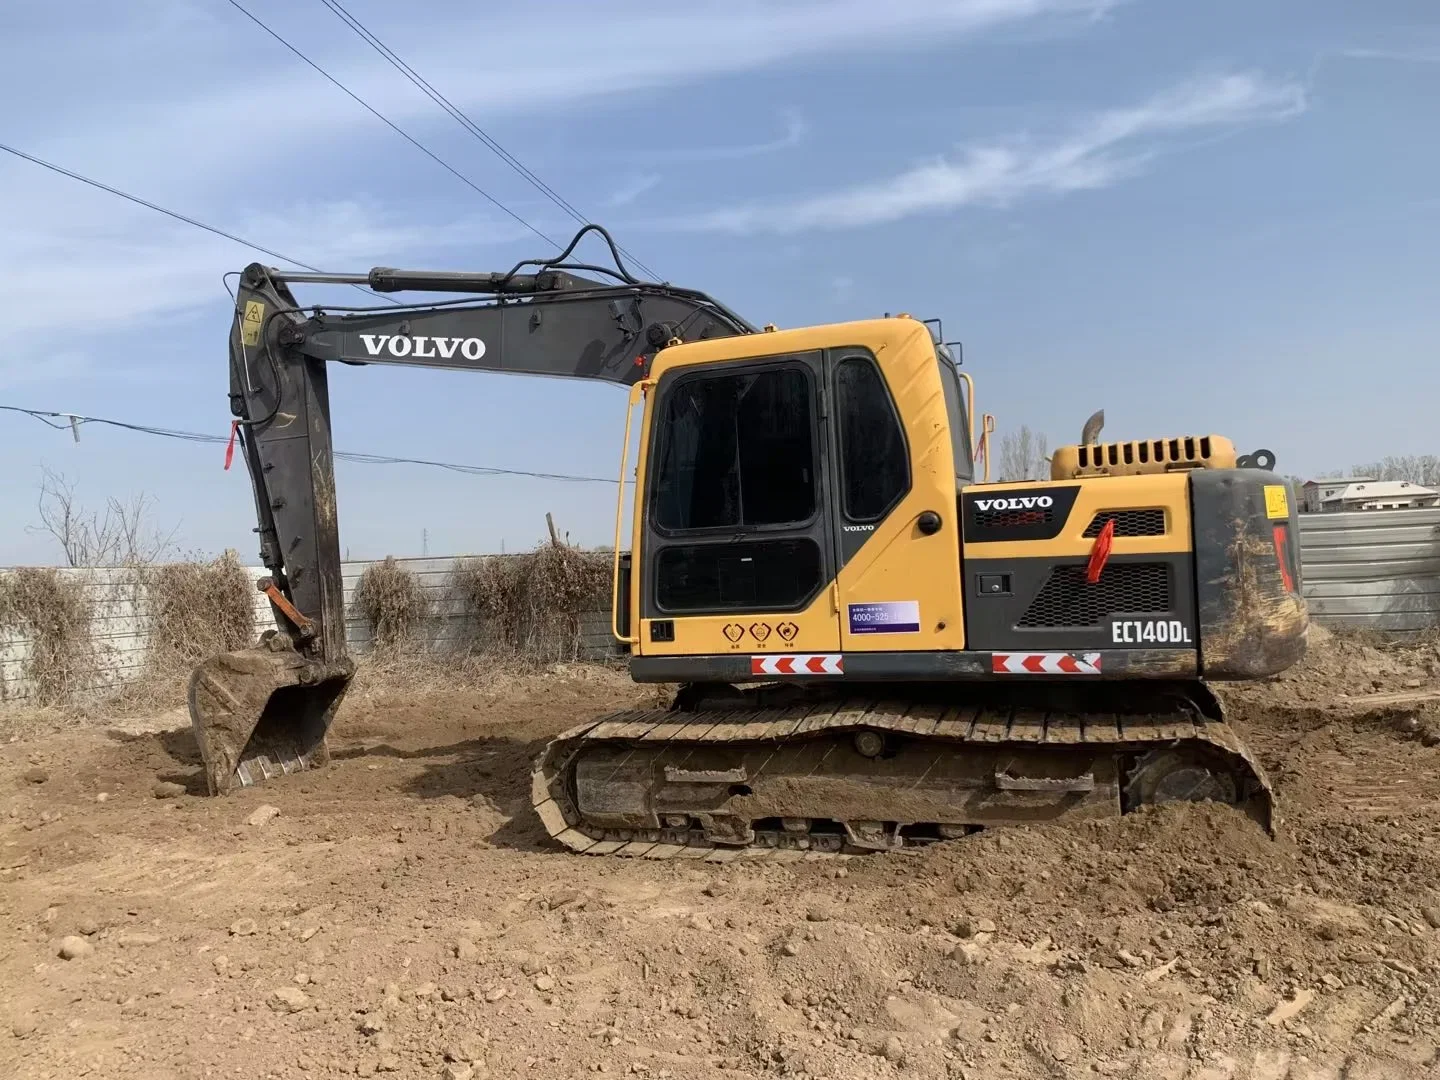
x=1022 y=754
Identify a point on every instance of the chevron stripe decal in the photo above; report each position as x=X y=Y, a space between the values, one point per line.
x=1055 y=663
x=803 y=664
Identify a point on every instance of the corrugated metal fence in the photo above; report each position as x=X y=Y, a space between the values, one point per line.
x=1372 y=569
x=1376 y=569
x=121 y=621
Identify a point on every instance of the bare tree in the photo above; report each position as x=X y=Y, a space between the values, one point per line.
x=1421 y=469
x=1024 y=456
x=120 y=535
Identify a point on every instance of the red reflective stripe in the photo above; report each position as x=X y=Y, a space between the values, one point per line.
x=785 y=665
x=230 y=446
x=1100 y=552
x=757 y=665
x=1045 y=663
x=1280 y=538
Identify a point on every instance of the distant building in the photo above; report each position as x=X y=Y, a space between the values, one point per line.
x=1315 y=492
x=1380 y=495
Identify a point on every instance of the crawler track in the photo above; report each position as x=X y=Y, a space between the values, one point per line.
x=843 y=776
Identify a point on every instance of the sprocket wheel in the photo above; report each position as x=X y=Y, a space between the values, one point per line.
x=1168 y=775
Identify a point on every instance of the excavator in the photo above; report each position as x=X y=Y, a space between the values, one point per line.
x=871 y=647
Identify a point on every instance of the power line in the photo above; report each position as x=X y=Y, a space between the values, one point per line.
x=392 y=125
x=156 y=207
x=440 y=99
x=464 y=120
x=73 y=421
x=137 y=200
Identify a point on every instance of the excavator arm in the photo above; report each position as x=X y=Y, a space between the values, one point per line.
x=266 y=710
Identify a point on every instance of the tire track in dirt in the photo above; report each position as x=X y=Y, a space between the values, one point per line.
x=403 y=916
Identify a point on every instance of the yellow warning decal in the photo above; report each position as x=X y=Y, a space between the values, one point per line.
x=1277 y=501
x=254 y=319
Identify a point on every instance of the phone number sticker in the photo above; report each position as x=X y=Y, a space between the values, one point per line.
x=887 y=617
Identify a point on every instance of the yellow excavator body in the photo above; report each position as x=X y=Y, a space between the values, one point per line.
x=871 y=645
x=947 y=654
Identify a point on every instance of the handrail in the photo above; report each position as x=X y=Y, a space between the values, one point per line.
x=987 y=423
x=969 y=396
x=637 y=392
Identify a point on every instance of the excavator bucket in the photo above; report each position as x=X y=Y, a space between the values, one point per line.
x=263 y=712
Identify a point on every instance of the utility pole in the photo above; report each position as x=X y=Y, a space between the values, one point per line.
x=424 y=541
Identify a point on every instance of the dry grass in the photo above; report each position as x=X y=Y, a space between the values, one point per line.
x=525 y=614
x=564 y=583
x=393 y=604
x=197 y=609
x=491 y=592
x=529 y=607
x=54 y=612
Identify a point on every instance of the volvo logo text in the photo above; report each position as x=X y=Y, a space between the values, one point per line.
x=423 y=348
x=1023 y=502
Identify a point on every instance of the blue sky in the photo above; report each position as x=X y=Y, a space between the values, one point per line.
x=1216 y=216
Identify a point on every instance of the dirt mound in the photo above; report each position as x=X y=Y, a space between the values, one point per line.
x=1358 y=681
x=1340 y=666
x=401 y=914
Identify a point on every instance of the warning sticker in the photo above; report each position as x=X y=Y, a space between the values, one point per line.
x=888 y=617
x=1277 y=501
x=252 y=322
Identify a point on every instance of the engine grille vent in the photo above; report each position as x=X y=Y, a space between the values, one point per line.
x=1129 y=522
x=1068 y=600
x=1011 y=519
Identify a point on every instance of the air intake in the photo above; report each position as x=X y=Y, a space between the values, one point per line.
x=1148 y=522
x=1068 y=601
x=1148 y=456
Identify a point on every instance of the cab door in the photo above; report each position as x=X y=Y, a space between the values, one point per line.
x=894 y=484
x=738 y=548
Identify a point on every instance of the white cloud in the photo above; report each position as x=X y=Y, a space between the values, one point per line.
x=1095 y=153
x=794 y=134
x=1402 y=56
x=275 y=131
x=202 y=112
x=628 y=192
x=269 y=102
x=97 y=265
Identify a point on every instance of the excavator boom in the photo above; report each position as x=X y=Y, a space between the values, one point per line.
x=266 y=710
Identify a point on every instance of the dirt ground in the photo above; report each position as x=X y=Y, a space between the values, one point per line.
x=403 y=916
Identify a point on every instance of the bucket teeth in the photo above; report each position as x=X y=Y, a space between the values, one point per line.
x=263 y=712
